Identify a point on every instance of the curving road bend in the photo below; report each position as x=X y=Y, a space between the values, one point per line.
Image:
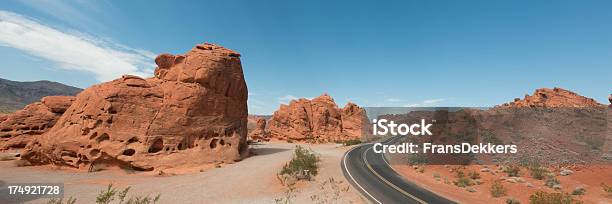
x=371 y=174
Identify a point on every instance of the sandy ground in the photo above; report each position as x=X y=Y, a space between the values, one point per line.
x=591 y=177
x=252 y=180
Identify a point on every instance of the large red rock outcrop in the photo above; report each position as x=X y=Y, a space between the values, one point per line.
x=316 y=120
x=19 y=128
x=193 y=112
x=553 y=98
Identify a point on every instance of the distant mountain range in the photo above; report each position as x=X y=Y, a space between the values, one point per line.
x=15 y=95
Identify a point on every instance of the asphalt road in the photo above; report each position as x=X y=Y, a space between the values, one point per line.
x=371 y=174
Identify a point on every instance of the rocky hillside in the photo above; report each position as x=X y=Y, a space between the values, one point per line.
x=553 y=126
x=553 y=98
x=16 y=95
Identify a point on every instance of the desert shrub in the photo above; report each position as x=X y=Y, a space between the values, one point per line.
x=551 y=181
x=537 y=171
x=463 y=182
x=303 y=159
x=111 y=193
x=513 y=170
x=512 y=201
x=606 y=188
x=459 y=173
x=436 y=175
x=330 y=192
x=541 y=197
x=418 y=159
x=287 y=197
x=474 y=175
x=289 y=141
x=498 y=189
x=446 y=180
x=351 y=142
x=62 y=201
x=421 y=169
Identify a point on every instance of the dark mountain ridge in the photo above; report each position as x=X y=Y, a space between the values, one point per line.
x=15 y=95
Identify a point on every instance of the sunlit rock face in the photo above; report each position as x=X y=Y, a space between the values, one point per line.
x=192 y=112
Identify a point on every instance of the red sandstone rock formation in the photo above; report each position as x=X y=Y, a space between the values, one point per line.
x=192 y=112
x=19 y=128
x=260 y=132
x=316 y=120
x=553 y=98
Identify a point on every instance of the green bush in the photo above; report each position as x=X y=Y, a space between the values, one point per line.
x=537 y=171
x=498 y=189
x=474 y=175
x=513 y=170
x=551 y=181
x=436 y=175
x=541 y=197
x=303 y=159
x=111 y=194
x=62 y=201
x=459 y=173
x=463 y=182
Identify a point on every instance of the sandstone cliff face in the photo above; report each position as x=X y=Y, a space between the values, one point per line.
x=19 y=128
x=316 y=120
x=192 y=112
x=553 y=98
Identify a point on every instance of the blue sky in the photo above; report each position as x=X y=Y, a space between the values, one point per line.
x=374 y=53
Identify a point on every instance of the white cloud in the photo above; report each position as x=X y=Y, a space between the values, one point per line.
x=426 y=103
x=73 y=51
x=74 y=12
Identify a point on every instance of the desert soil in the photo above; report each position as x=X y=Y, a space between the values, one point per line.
x=590 y=177
x=252 y=180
